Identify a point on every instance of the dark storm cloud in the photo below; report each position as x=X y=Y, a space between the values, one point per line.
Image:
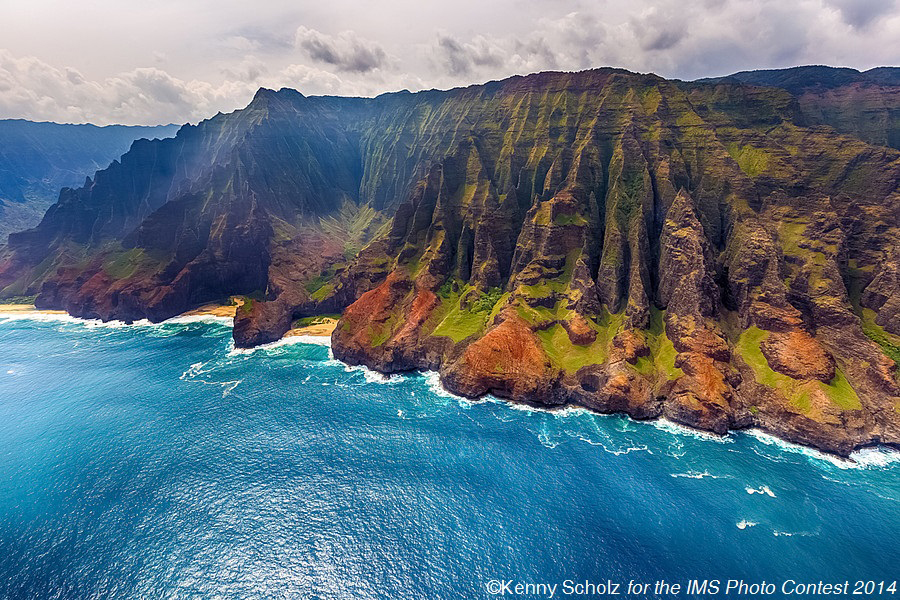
x=862 y=13
x=461 y=58
x=345 y=52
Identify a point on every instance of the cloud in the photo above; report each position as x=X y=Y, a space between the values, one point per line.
x=658 y=30
x=33 y=89
x=345 y=51
x=862 y=13
x=249 y=70
x=177 y=62
x=461 y=57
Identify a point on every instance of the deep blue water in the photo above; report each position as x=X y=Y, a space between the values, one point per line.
x=154 y=462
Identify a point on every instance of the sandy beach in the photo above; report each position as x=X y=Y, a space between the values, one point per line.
x=215 y=310
x=324 y=328
x=320 y=326
x=24 y=309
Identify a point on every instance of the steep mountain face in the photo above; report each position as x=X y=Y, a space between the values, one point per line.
x=863 y=104
x=37 y=159
x=685 y=252
x=607 y=239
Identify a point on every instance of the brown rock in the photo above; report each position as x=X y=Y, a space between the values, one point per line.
x=507 y=361
x=797 y=354
x=579 y=330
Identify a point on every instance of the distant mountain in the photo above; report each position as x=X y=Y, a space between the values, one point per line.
x=38 y=159
x=801 y=79
x=862 y=103
x=609 y=239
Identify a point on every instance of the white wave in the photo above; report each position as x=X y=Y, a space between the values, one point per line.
x=47 y=317
x=865 y=458
x=285 y=341
x=679 y=429
x=546 y=442
x=777 y=533
x=376 y=377
x=317 y=340
x=192 y=371
x=879 y=457
x=228 y=386
x=626 y=450
x=764 y=490
x=188 y=319
x=744 y=524
x=433 y=380
x=373 y=376
x=114 y=324
x=695 y=475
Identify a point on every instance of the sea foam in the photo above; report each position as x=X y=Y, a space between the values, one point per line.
x=865 y=458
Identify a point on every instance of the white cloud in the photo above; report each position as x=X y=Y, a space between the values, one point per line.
x=186 y=61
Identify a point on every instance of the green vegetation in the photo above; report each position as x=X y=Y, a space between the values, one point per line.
x=19 y=300
x=568 y=356
x=322 y=292
x=798 y=393
x=121 y=265
x=458 y=323
x=571 y=357
x=661 y=347
x=749 y=348
x=353 y=224
x=380 y=337
x=841 y=392
x=665 y=354
x=752 y=160
x=564 y=219
x=890 y=344
x=247 y=306
x=316 y=286
x=486 y=301
x=314 y=320
x=446 y=289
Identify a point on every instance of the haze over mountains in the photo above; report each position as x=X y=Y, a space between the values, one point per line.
x=719 y=252
x=38 y=159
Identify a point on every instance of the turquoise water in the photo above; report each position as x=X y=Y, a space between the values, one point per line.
x=155 y=462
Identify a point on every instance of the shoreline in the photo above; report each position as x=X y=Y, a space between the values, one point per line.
x=27 y=309
x=319 y=333
x=323 y=327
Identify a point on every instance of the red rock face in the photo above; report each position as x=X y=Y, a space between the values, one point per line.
x=798 y=355
x=507 y=361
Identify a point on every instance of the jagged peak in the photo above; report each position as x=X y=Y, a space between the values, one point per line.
x=265 y=97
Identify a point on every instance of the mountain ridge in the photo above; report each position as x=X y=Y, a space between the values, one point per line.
x=603 y=238
x=865 y=104
x=39 y=158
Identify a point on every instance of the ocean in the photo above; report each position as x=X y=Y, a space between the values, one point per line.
x=155 y=461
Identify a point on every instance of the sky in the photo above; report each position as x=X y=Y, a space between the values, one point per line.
x=177 y=61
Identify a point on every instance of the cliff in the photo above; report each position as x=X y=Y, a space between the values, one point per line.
x=37 y=159
x=697 y=251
